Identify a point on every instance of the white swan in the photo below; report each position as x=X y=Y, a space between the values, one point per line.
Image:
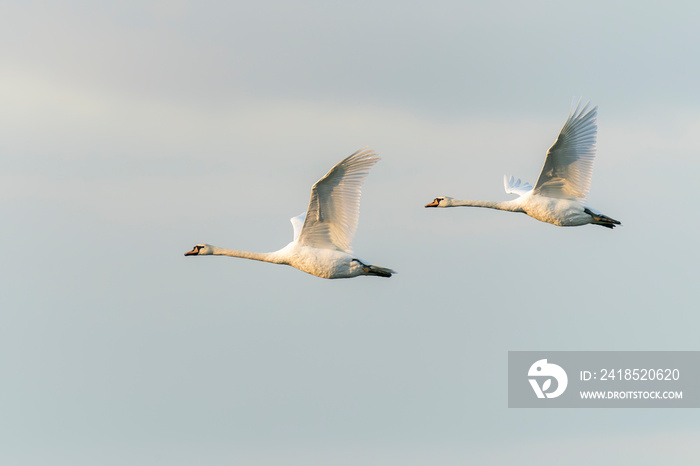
x=558 y=196
x=322 y=234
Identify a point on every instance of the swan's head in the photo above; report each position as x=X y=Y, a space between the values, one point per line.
x=442 y=201
x=200 y=250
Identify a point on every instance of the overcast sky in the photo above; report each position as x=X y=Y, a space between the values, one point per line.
x=131 y=132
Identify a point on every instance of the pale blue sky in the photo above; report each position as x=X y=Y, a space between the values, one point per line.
x=130 y=133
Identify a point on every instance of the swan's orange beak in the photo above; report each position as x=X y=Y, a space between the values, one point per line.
x=193 y=252
x=433 y=204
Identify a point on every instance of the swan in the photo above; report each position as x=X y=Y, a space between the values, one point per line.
x=559 y=194
x=322 y=234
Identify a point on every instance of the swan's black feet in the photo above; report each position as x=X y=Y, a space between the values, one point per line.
x=374 y=269
x=378 y=271
x=602 y=220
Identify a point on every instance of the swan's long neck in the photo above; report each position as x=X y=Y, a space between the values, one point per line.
x=257 y=256
x=511 y=206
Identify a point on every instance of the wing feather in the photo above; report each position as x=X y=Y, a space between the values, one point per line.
x=334 y=208
x=516 y=187
x=298 y=224
x=568 y=168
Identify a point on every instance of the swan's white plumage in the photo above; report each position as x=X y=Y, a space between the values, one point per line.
x=297 y=224
x=568 y=168
x=516 y=187
x=334 y=208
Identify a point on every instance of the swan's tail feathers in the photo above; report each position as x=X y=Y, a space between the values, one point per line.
x=602 y=220
x=378 y=271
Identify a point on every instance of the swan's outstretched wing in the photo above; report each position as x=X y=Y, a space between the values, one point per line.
x=569 y=164
x=516 y=187
x=334 y=208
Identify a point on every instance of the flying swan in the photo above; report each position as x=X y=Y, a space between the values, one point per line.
x=322 y=234
x=559 y=194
